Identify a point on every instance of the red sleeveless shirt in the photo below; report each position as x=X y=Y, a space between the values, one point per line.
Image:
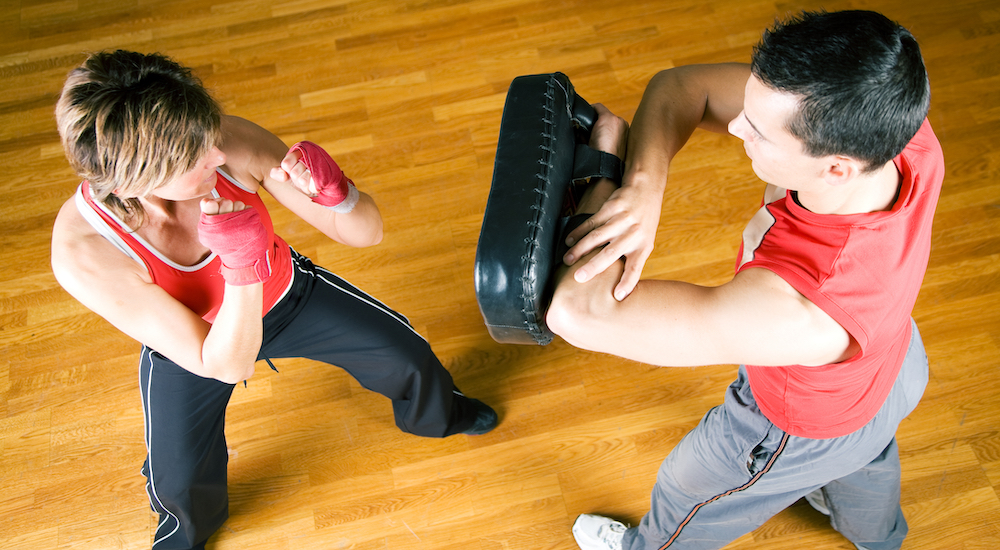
x=199 y=287
x=864 y=270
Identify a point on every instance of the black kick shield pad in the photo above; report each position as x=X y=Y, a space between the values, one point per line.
x=541 y=151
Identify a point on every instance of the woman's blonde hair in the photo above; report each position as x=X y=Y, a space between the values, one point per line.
x=131 y=122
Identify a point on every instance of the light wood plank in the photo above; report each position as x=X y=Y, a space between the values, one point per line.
x=408 y=97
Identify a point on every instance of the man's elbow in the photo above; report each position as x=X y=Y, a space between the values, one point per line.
x=559 y=317
x=572 y=316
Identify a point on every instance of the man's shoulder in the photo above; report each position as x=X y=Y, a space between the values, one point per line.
x=925 y=145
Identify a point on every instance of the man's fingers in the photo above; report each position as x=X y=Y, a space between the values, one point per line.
x=581 y=230
x=589 y=239
x=595 y=233
x=630 y=278
x=610 y=133
x=597 y=264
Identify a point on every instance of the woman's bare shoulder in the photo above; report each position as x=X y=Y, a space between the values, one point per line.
x=251 y=150
x=115 y=286
x=83 y=260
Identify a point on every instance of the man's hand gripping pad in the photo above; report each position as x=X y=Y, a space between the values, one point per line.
x=540 y=153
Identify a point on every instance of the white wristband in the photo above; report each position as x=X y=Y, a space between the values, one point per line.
x=349 y=202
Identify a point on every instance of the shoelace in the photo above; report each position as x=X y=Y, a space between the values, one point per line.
x=611 y=534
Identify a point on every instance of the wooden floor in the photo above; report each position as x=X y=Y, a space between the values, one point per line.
x=407 y=95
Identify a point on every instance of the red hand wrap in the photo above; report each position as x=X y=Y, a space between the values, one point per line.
x=239 y=238
x=335 y=190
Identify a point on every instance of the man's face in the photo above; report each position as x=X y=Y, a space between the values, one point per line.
x=776 y=155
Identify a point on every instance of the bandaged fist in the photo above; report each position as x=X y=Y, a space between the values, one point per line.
x=235 y=232
x=316 y=174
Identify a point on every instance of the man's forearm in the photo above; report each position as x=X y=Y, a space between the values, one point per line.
x=676 y=102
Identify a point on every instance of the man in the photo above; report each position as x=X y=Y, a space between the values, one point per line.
x=832 y=112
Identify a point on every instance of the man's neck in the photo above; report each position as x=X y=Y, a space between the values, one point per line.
x=874 y=192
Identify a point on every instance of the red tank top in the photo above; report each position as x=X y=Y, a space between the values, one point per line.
x=199 y=287
x=865 y=271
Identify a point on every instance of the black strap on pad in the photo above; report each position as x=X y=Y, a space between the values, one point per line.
x=591 y=163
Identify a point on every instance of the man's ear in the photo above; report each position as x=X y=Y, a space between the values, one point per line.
x=840 y=170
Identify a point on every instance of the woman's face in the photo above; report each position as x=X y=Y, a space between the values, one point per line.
x=195 y=183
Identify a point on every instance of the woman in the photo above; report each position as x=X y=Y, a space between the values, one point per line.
x=168 y=241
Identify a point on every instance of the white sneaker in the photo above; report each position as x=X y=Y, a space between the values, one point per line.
x=818 y=501
x=598 y=532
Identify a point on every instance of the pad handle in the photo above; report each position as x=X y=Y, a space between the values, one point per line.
x=589 y=163
x=584 y=115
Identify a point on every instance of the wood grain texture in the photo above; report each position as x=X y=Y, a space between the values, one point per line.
x=408 y=95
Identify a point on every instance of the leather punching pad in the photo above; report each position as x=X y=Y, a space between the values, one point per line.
x=541 y=150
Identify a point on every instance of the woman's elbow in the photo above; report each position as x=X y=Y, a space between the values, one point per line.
x=358 y=231
x=373 y=236
x=377 y=235
x=367 y=225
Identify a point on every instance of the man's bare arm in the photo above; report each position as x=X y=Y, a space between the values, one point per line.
x=757 y=318
x=676 y=102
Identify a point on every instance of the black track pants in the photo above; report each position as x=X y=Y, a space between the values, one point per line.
x=322 y=317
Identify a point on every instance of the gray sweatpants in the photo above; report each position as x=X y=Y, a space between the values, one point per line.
x=736 y=469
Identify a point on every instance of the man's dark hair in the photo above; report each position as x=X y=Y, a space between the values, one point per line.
x=860 y=78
